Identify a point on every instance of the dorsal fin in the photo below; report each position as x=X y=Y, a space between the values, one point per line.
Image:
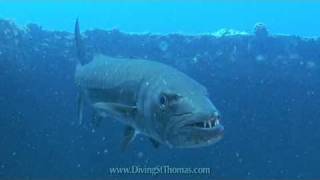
x=79 y=44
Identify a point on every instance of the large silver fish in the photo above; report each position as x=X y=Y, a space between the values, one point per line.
x=150 y=98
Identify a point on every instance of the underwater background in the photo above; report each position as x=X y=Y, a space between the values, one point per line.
x=263 y=78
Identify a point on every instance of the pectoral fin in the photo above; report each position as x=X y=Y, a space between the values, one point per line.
x=117 y=109
x=129 y=135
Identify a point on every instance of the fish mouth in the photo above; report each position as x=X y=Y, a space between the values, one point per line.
x=208 y=124
x=200 y=122
x=196 y=131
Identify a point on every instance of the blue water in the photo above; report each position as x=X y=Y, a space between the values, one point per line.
x=270 y=111
x=166 y=16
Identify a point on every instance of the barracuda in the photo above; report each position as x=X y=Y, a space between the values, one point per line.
x=149 y=98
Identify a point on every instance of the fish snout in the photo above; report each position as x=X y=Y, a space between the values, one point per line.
x=202 y=120
x=197 y=130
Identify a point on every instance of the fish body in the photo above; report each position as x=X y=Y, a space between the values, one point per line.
x=149 y=98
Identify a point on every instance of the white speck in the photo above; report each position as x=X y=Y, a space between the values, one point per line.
x=78 y=165
x=311 y=64
x=93 y=131
x=260 y=58
x=234 y=51
x=14 y=153
x=310 y=93
x=147 y=83
x=163 y=46
x=194 y=60
x=105 y=151
x=140 y=154
x=6 y=31
x=240 y=160
x=104 y=138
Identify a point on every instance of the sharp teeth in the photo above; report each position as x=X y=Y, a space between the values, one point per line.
x=210 y=123
x=216 y=122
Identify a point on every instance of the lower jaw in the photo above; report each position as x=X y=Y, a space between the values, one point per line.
x=211 y=133
x=204 y=144
x=196 y=142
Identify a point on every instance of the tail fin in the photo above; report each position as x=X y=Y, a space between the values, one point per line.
x=79 y=44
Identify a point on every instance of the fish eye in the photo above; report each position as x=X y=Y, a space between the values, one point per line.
x=163 y=101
